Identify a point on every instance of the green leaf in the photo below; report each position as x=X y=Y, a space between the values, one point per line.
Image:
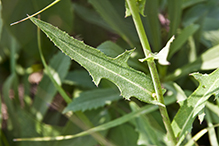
x=208 y=85
x=147 y=133
x=193 y=50
x=129 y=81
x=182 y=38
x=152 y=24
x=112 y=49
x=211 y=133
x=124 y=135
x=207 y=61
x=194 y=14
x=110 y=14
x=210 y=59
x=93 y=99
x=91 y=16
x=176 y=91
x=211 y=38
x=140 y=5
x=96 y=117
x=174 y=11
x=213 y=108
x=189 y=3
x=79 y=78
x=1 y=22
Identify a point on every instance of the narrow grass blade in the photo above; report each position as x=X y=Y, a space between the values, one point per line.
x=108 y=125
x=199 y=135
x=129 y=81
x=151 y=20
x=50 y=5
x=1 y=22
x=213 y=108
x=91 y=16
x=211 y=132
x=108 y=12
x=84 y=121
x=189 y=3
x=174 y=12
x=147 y=133
x=182 y=38
x=193 y=50
x=144 y=110
x=123 y=135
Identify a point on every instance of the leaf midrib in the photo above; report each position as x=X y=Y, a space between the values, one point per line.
x=137 y=85
x=198 y=104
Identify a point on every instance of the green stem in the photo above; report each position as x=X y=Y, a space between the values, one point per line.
x=152 y=68
x=28 y=17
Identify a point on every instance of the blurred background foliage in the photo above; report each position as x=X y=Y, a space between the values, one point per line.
x=30 y=104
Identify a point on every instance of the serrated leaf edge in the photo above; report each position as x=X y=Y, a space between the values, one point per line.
x=95 y=78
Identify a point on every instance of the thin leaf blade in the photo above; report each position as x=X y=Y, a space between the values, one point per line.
x=110 y=15
x=143 y=110
x=182 y=38
x=174 y=11
x=147 y=133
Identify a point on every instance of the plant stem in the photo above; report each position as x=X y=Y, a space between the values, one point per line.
x=152 y=68
x=28 y=17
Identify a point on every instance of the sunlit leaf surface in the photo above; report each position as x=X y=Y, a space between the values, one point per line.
x=129 y=81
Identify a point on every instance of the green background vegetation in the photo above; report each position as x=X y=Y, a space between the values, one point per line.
x=31 y=106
